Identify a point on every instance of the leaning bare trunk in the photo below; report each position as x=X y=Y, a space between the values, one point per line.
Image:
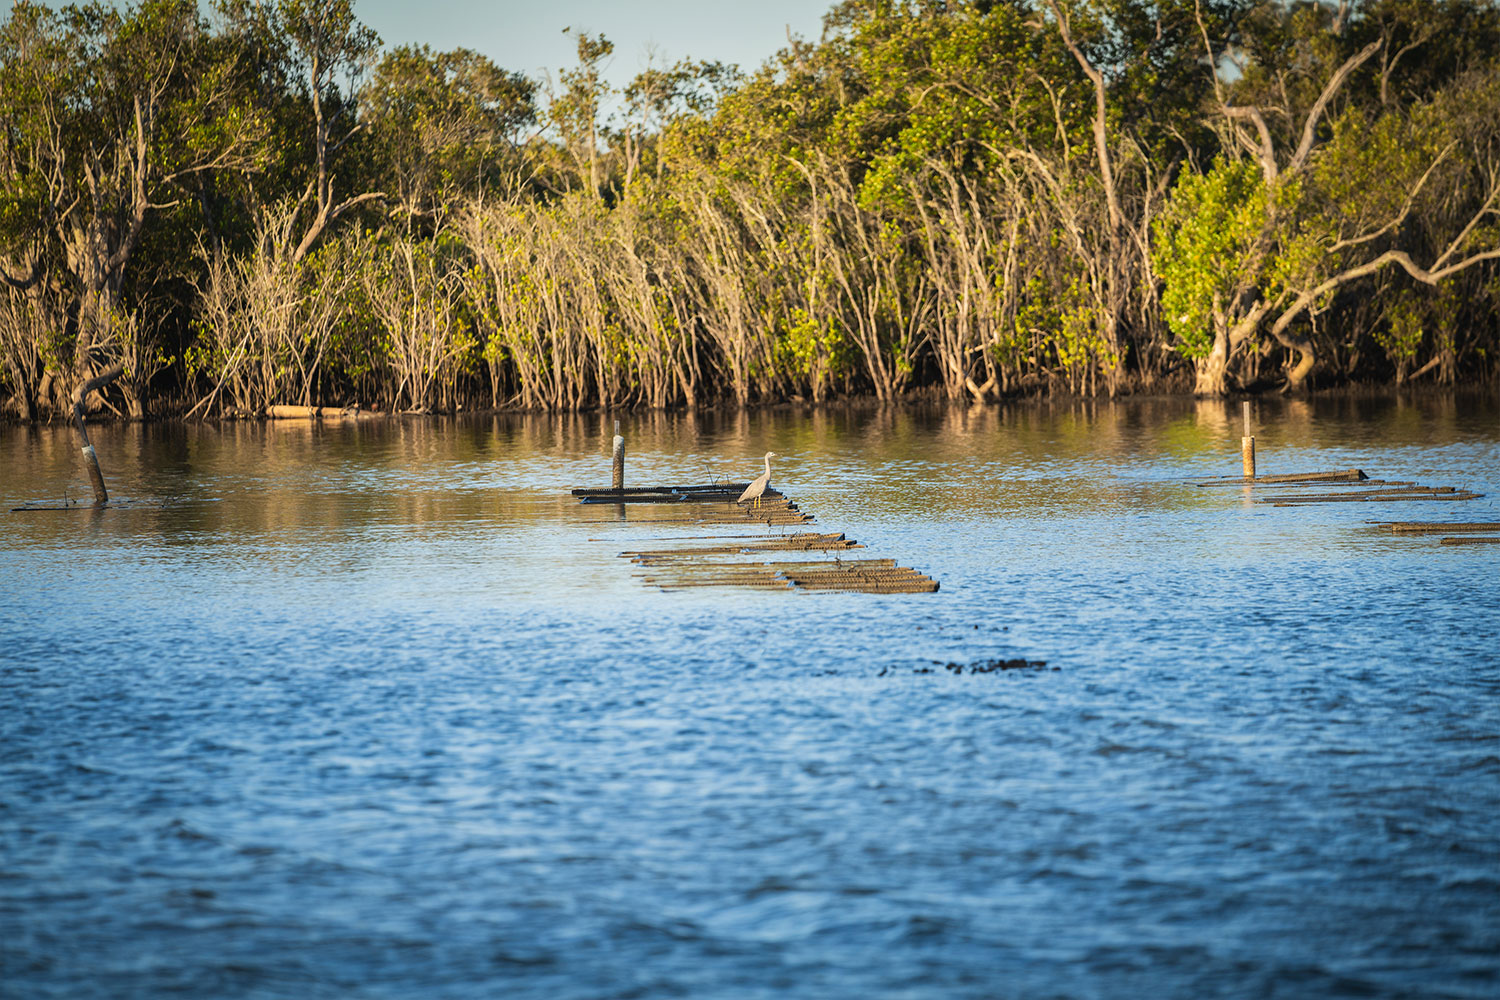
x=90 y=460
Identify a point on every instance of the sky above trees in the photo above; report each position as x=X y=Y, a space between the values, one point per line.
x=528 y=36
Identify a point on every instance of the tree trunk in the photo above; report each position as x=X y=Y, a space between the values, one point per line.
x=135 y=404
x=1447 y=360
x=1296 y=378
x=23 y=394
x=1213 y=370
x=90 y=460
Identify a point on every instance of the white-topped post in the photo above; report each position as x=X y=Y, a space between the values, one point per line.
x=618 y=479
x=1247 y=445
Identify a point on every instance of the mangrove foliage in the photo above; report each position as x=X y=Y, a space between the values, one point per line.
x=261 y=203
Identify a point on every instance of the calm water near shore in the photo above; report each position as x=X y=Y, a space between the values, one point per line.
x=377 y=711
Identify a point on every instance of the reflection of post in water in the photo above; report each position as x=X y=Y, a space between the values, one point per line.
x=90 y=459
x=617 y=478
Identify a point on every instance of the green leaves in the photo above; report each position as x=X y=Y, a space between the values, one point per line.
x=445 y=124
x=1204 y=249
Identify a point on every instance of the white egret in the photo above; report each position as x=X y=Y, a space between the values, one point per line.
x=754 y=491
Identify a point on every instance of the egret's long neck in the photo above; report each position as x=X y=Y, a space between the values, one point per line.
x=768 y=468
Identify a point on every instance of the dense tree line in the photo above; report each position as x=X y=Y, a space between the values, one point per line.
x=977 y=198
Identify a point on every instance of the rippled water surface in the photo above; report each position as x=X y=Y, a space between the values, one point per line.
x=378 y=711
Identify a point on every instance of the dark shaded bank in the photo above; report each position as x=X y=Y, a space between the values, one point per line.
x=1478 y=391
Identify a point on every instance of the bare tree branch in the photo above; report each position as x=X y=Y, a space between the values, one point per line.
x=1101 y=136
x=1314 y=116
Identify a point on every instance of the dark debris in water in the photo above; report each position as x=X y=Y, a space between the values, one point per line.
x=119 y=503
x=994 y=666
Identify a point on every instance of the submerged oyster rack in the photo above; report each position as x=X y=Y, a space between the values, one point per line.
x=741 y=560
x=1453 y=532
x=1353 y=486
x=1350 y=486
x=709 y=504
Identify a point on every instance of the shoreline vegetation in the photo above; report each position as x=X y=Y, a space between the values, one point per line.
x=215 y=215
x=916 y=399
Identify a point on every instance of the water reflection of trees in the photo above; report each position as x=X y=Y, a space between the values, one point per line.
x=239 y=480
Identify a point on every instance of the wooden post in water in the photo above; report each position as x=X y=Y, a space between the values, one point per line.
x=618 y=480
x=90 y=459
x=1247 y=446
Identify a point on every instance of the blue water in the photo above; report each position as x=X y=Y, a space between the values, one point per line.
x=377 y=711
